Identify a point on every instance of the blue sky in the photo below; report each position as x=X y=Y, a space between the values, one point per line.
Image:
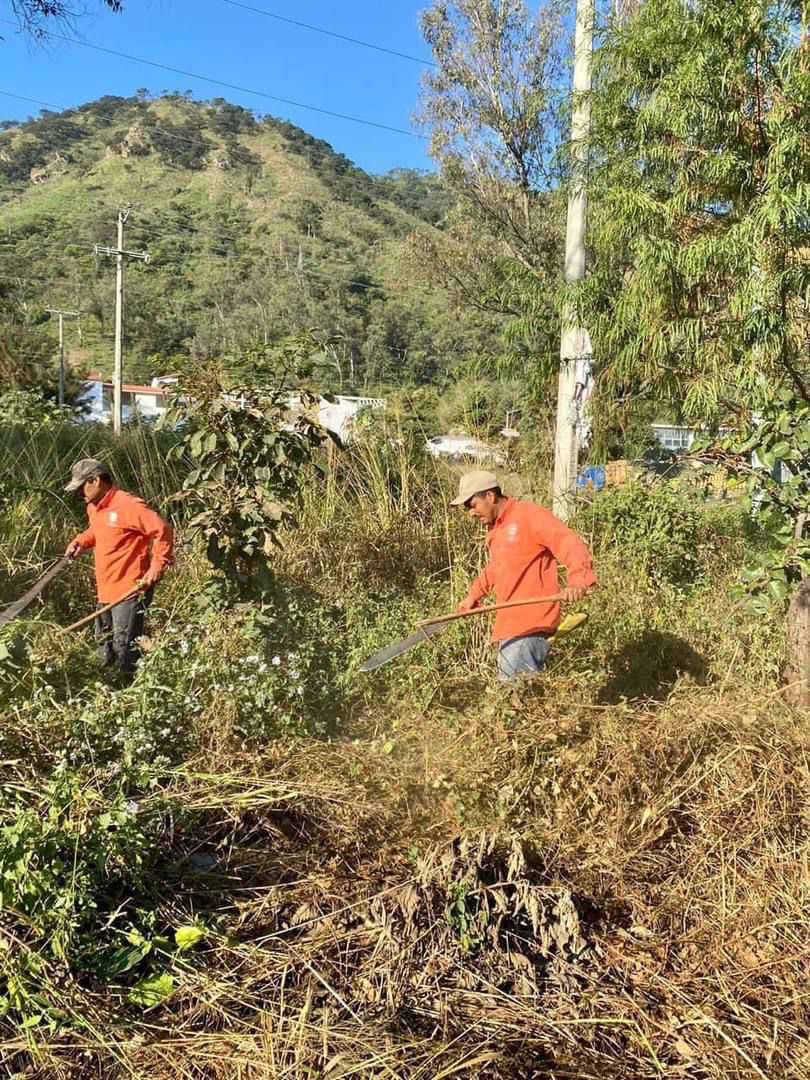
x=215 y=38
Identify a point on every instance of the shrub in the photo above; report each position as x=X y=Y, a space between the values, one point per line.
x=655 y=527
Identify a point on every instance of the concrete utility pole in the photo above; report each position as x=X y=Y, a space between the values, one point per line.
x=120 y=254
x=574 y=340
x=62 y=316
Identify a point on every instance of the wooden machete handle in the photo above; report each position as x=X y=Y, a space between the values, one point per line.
x=100 y=611
x=556 y=599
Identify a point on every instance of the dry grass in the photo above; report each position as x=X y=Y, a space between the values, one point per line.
x=633 y=884
x=568 y=887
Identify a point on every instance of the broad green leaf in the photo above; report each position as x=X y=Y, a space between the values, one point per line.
x=151 y=990
x=123 y=960
x=187 y=936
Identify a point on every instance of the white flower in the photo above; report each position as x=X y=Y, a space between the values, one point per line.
x=276 y=661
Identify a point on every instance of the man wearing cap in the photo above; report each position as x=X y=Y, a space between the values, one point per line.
x=121 y=530
x=525 y=543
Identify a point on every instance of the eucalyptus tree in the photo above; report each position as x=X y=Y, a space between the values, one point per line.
x=700 y=229
x=492 y=107
x=35 y=16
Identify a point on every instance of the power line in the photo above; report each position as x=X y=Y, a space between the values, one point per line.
x=331 y=33
x=226 y=85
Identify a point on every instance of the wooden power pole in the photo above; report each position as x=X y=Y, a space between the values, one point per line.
x=62 y=316
x=120 y=255
x=573 y=343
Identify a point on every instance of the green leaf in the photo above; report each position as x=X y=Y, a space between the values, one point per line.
x=151 y=990
x=186 y=937
x=777 y=589
x=123 y=959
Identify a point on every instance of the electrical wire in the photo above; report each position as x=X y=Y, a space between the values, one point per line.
x=223 y=83
x=331 y=33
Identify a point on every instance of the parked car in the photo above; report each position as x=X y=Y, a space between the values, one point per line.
x=464 y=448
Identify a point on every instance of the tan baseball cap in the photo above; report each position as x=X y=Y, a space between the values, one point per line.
x=471 y=483
x=85 y=469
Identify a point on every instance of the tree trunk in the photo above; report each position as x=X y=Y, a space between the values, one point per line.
x=798 y=646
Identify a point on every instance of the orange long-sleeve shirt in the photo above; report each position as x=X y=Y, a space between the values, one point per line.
x=122 y=527
x=525 y=544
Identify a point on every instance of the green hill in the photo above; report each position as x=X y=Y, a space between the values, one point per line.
x=253 y=227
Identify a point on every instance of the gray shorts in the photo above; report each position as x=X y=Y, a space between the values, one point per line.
x=522 y=657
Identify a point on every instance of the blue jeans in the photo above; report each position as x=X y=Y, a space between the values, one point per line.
x=521 y=657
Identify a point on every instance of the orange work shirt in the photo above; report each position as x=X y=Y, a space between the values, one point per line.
x=121 y=529
x=525 y=544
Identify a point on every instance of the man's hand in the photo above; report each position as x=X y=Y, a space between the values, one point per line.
x=467 y=604
x=73 y=549
x=572 y=593
x=151 y=577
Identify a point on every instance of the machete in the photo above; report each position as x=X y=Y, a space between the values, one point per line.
x=390 y=652
x=13 y=610
x=430 y=627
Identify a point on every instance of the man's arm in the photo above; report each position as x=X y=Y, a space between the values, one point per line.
x=482 y=585
x=568 y=549
x=80 y=543
x=152 y=525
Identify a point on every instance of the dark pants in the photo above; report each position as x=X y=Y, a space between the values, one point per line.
x=117 y=631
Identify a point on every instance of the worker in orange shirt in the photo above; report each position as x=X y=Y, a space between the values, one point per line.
x=121 y=531
x=525 y=543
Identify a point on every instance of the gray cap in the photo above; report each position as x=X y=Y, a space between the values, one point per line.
x=85 y=469
x=471 y=483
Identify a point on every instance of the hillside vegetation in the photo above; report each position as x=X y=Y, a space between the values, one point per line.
x=254 y=229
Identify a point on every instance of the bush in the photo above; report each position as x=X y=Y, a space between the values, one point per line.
x=656 y=528
x=75 y=854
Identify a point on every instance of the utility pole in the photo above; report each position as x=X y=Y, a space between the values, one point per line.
x=120 y=255
x=62 y=316
x=574 y=340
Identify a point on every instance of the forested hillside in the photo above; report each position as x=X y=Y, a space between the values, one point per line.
x=254 y=230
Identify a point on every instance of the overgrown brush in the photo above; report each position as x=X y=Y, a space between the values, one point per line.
x=407 y=875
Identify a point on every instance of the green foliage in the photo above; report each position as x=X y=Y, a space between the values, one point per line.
x=30 y=408
x=656 y=526
x=419 y=193
x=778 y=491
x=491 y=105
x=247 y=461
x=26 y=352
x=75 y=852
x=466 y=916
x=698 y=203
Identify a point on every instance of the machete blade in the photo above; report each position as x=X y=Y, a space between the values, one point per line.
x=13 y=610
x=390 y=652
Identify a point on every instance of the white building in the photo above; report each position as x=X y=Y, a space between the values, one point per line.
x=339 y=416
x=150 y=402
x=672 y=437
x=147 y=401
